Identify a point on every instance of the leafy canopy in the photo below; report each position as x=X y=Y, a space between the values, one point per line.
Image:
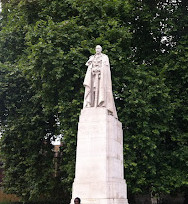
x=44 y=46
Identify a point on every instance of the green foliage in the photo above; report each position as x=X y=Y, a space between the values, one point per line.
x=45 y=45
x=25 y=145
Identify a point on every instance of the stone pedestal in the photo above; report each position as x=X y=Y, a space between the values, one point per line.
x=99 y=177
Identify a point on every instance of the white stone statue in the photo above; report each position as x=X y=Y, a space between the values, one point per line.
x=98 y=84
x=99 y=171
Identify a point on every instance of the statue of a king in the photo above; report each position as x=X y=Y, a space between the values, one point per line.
x=98 y=84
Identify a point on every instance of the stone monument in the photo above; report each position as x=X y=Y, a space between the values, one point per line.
x=99 y=176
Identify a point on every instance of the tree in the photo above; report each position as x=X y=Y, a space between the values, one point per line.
x=45 y=45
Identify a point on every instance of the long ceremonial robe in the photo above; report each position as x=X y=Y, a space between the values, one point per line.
x=105 y=96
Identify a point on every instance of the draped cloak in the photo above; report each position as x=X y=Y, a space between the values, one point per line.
x=105 y=96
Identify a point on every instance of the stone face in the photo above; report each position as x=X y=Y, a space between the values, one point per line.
x=99 y=159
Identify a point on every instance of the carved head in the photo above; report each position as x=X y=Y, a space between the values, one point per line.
x=98 y=49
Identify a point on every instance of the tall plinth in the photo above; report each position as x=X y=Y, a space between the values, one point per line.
x=99 y=176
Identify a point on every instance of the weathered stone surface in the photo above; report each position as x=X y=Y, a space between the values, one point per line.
x=99 y=160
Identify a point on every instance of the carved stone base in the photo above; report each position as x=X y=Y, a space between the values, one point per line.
x=99 y=159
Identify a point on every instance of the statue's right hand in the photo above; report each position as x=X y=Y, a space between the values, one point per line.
x=88 y=63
